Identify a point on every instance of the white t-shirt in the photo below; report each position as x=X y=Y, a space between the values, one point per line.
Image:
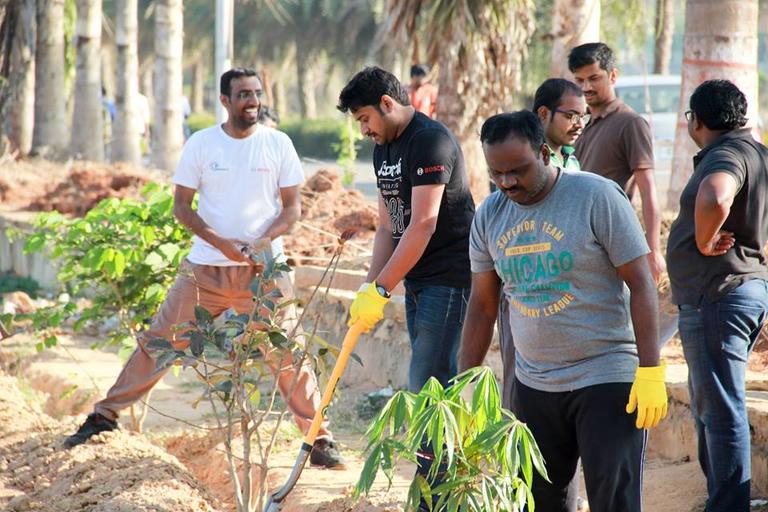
x=238 y=183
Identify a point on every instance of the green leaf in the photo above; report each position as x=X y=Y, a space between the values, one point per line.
x=35 y=243
x=119 y=262
x=197 y=344
x=165 y=359
x=202 y=316
x=158 y=344
x=278 y=339
x=154 y=291
x=368 y=475
x=356 y=357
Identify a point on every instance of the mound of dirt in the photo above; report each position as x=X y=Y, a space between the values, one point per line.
x=85 y=186
x=118 y=472
x=327 y=210
x=72 y=188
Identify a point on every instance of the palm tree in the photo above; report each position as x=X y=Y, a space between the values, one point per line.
x=87 y=121
x=51 y=133
x=168 y=135
x=18 y=94
x=479 y=48
x=574 y=22
x=720 y=42
x=665 y=28
x=126 y=130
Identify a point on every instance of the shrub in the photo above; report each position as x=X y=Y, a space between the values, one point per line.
x=489 y=455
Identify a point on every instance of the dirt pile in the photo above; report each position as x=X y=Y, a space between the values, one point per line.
x=86 y=186
x=73 y=187
x=327 y=210
x=118 y=472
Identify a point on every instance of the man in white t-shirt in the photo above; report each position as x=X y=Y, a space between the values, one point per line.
x=247 y=178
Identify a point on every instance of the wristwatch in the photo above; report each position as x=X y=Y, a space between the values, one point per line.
x=382 y=291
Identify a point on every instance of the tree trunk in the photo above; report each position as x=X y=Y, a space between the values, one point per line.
x=126 y=129
x=479 y=78
x=574 y=22
x=198 y=84
x=665 y=29
x=305 y=83
x=168 y=135
x=21 y=103
x=720 y=42
x=50 y=135
x=87 y=126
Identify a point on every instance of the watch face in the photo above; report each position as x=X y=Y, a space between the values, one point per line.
x=382 y=291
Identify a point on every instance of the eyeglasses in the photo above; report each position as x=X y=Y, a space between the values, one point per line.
x=575 y=117
x=249 y=95
x=688 y=115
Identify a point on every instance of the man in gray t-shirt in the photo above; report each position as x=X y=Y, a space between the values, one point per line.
x=562 y=245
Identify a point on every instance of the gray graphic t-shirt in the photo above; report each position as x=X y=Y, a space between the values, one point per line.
x=557 y=259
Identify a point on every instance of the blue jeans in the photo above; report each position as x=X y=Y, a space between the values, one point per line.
x=435 y=315
x=717 y=338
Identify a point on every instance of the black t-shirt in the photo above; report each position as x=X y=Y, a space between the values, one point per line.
x=694 y=275
x=426 y=153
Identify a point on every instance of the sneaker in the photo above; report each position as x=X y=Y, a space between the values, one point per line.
x=94 y=424
x=325 y=453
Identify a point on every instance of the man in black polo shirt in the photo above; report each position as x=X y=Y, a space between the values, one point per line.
x=719 y=281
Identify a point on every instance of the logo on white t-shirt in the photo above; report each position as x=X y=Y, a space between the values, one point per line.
x=217 y=167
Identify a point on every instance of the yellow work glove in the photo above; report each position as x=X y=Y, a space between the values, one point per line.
x=649 y=396
x=368 y=307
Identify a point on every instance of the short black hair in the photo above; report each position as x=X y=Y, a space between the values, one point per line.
x=225 y=85
x=419 y=70
x=550 y=93
x=719 y=104
x=589 y=53
x=523 y=124
x=367 y=87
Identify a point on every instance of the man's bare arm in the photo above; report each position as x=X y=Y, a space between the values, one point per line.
x=383 y=245
x=481 y=315
x=713 y=205
x=646 y=184
x=291 y=212
x=425 y=205
x=644 y=308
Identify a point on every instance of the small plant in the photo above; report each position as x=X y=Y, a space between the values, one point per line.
x=488 y=456
x=10 y=282
x=122 y=255
x=228 y=359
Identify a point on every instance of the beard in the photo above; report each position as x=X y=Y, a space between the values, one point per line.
x=243 y=122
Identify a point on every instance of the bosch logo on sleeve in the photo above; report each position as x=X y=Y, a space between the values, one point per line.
x=427 y=170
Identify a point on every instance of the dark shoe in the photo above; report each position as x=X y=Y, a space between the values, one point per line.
x=325 y=453
x=94 y=424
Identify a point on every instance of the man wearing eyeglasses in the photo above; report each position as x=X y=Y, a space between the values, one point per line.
x=559 y=105
x=616 y=143
x=247 y=178
x=719 y=278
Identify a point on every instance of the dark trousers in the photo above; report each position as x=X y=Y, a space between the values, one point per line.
x=590 y=423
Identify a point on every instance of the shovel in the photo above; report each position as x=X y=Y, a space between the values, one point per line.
x=275 y=501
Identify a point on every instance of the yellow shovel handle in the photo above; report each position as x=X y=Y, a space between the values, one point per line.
x=347 y=347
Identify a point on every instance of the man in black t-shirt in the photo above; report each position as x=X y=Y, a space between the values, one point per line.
x=425 y=212
x=720 y=282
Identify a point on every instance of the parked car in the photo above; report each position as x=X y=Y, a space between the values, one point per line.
x=657 y=99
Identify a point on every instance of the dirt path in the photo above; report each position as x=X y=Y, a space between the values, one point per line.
x=64 y=381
